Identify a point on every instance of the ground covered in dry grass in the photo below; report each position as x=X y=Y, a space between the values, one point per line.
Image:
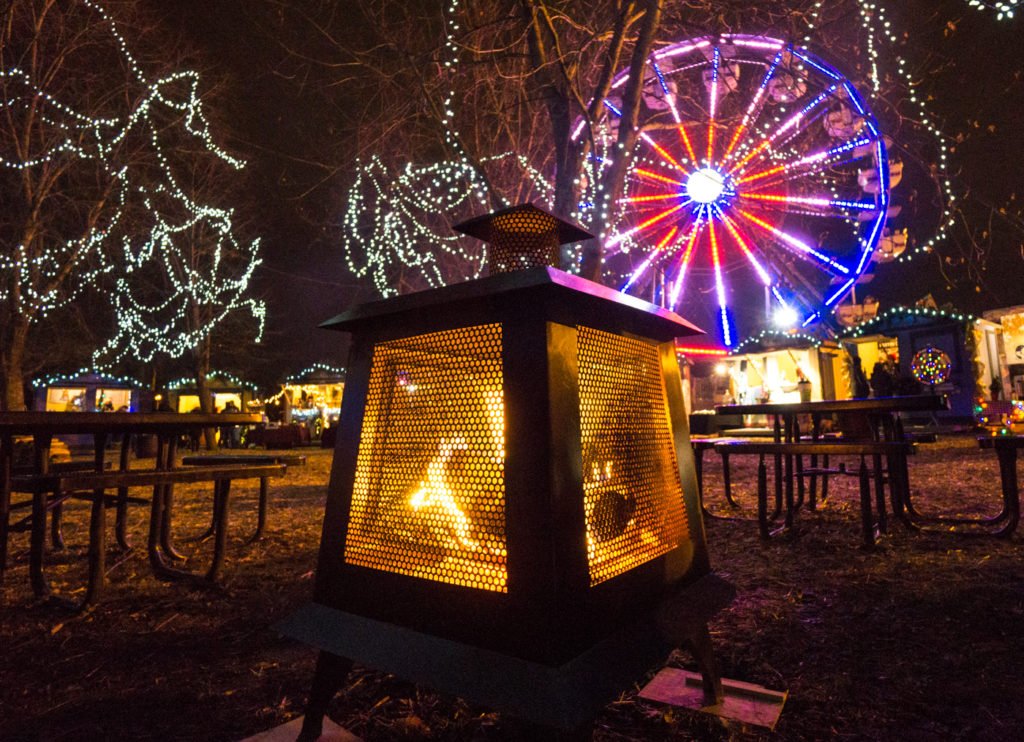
x=921 y=639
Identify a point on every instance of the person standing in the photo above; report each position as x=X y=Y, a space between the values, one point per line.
x=230 y=435
x=861 y=388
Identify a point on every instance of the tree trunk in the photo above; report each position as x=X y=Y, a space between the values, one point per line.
x=615 y=176
x=202 y=372
x=13 y=365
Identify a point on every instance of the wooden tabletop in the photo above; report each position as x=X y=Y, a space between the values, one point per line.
x=910 y=403
x=32 y=422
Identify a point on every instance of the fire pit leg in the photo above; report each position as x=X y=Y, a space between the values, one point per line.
x=704 y=655
x=331 y=671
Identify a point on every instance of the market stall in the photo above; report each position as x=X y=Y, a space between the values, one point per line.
x=89 y=391
x=905 y=350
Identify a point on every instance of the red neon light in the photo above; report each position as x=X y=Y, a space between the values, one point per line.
x=686 y=141
x=762 y=174
x=655 y=176
x=664 y=154
x=666 y=240
x=638 y=199
x=659 y=217
x=700 y=351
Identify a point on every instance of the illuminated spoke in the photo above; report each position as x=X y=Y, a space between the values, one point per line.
x=685 y=261
x=651 y=257
x=713 y=103
x=800 y=245
x=790 y=123
x=656 y=176
x=665 y=155
x=755 y=103
x=670 y=98
x=616 y=239
x=820 y=160
x=737 y=235
x=645 y=199
x=823 y=206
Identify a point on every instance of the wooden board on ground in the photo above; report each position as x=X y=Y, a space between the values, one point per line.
x=288 y=731
x=744 y=702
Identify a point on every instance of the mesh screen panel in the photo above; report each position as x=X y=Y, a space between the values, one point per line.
x=523 y=239
x=429 y=494
x=633 y=497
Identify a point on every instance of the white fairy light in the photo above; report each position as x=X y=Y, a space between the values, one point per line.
x=391 y=218
x=118 y=250
x=1002 y=8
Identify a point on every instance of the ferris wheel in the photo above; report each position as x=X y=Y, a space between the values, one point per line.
x=759 y=186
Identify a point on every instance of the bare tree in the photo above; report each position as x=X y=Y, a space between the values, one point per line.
x=55 y=142
x=91 y=197
x=415 y=84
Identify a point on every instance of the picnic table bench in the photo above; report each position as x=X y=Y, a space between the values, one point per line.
x=288 y=459
x=1003 y=523
x=873 y=522
x=93 y=486
x=50 y=486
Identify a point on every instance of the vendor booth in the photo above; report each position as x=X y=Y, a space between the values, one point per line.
x=306 y=408
x=315 y=394
x=775 y=366
x=88 y=391
x=1010 y=345
x=908 y=350
x=224 y=388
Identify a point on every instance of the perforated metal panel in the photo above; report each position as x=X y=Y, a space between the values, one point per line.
x=633 y=497
x=523 y=239
x=429 y=494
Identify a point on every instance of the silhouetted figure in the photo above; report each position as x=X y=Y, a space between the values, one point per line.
x=861 y=388
x=882 y=382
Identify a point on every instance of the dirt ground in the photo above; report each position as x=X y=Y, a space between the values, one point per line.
x=921 y=639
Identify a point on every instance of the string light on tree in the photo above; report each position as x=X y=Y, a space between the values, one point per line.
x=878 y=35
x=146 y=220
x=1002 y=8
x=393 y=216
x=392 y=219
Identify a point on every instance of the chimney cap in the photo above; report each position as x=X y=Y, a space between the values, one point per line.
x=531 y=218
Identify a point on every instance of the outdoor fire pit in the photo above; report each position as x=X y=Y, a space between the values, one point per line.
x=512 y=497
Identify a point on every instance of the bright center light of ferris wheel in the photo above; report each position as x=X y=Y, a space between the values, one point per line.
x=705 y=185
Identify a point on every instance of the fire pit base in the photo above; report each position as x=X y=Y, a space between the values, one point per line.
x=746 y=703
x=562 y=697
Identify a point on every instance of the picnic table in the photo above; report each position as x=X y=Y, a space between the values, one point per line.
x=875 y=420
x=49 y=489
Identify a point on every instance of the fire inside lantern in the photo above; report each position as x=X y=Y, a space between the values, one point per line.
x=512 y=493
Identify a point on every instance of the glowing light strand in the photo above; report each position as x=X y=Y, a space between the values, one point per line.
x=878 y=32
x=54 y=278
x=1002 y=8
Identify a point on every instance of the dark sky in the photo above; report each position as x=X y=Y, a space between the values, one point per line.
x=966 y=61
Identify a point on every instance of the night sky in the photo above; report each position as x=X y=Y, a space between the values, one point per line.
x=968 y=63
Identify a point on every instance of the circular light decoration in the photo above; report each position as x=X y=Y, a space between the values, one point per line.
x=760 y=182
x=930 y=366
